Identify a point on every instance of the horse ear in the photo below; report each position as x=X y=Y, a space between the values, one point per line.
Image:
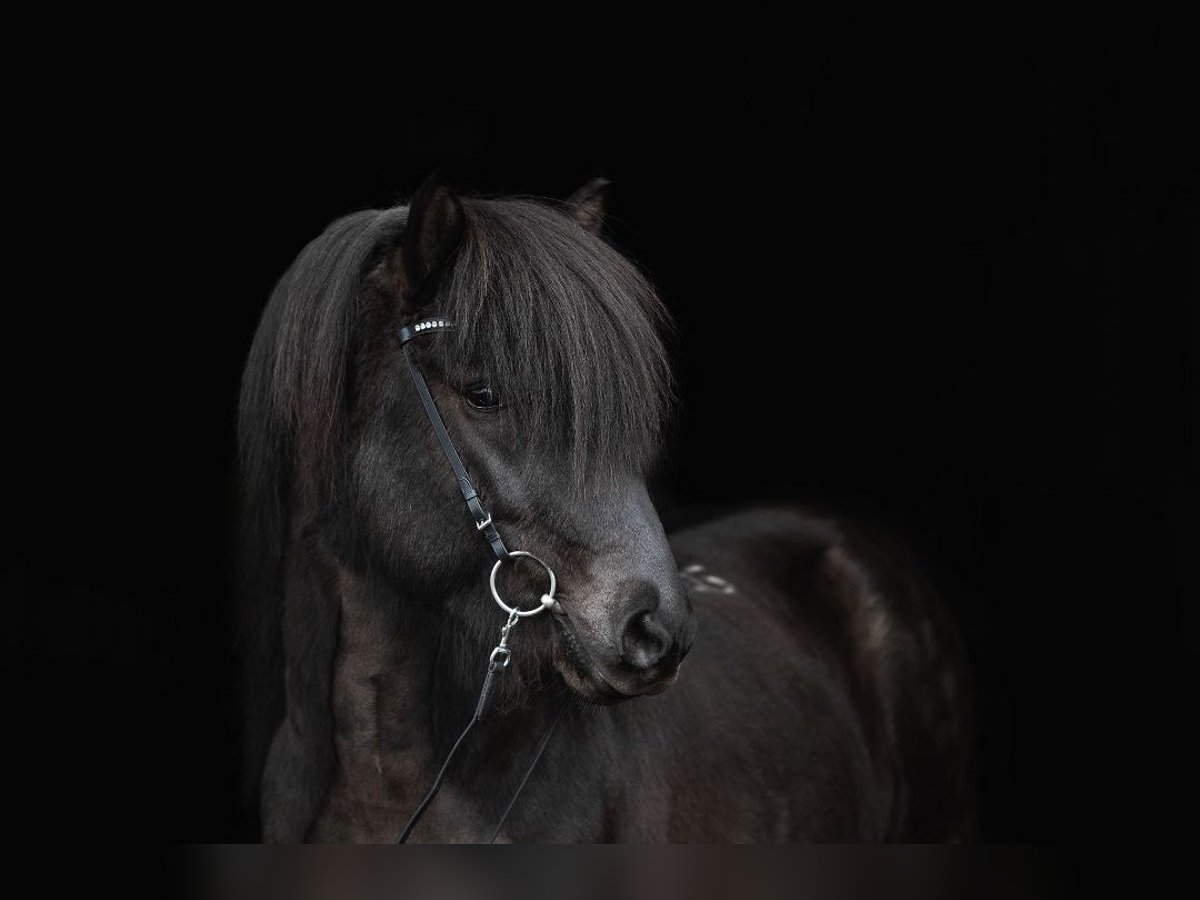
x=587 y=204
x=434 y=229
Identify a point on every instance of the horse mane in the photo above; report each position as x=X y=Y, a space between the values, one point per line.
x=308 y=317
x=566 y=329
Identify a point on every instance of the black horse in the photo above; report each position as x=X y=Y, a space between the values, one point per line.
x=823 y=696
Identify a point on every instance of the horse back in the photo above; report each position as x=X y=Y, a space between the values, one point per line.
x=828 y=644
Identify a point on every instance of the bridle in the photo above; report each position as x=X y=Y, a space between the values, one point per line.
x=483 y=521
x=501 y=655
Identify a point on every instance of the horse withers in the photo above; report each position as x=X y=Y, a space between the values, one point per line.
x=822 y=697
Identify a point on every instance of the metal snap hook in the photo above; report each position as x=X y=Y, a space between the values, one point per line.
x=503 y=653
x=547 y=600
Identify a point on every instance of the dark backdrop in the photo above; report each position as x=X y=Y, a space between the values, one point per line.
x=953 y=296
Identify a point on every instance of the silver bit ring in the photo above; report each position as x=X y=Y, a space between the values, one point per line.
x=547 y=600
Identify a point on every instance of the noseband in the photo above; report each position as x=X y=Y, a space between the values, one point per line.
x=501 y=654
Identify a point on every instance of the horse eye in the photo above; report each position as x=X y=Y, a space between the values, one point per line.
x=481 y=396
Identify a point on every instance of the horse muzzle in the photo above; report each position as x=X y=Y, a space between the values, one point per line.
x=638 y=654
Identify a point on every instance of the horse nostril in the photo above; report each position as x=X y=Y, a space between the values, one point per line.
x=644 y=642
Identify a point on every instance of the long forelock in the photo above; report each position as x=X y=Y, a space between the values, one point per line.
x=565 y=328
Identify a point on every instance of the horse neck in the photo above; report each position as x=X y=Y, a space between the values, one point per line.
x=401 y=692
x=390 y=690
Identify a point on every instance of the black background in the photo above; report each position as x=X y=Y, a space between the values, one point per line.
x=954 y=295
